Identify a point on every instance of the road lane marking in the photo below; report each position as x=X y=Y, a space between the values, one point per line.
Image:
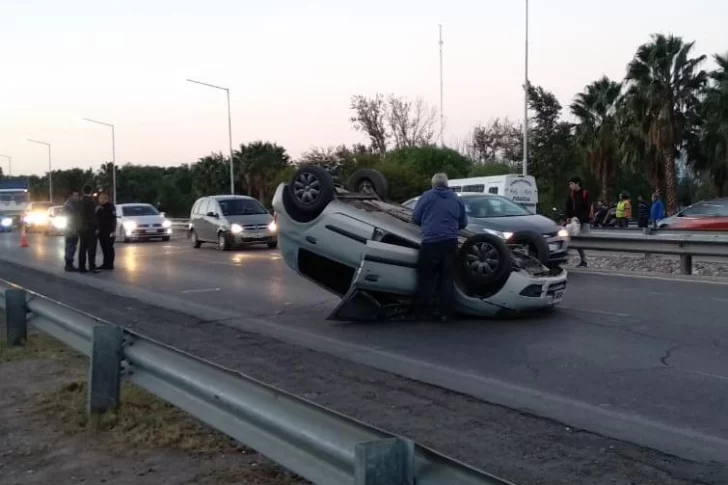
x=201 y=290
x=596 y=312
x=681 y=279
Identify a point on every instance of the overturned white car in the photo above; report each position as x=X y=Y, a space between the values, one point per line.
x=354 y=244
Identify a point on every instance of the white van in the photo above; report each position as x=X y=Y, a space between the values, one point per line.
x=521 y=189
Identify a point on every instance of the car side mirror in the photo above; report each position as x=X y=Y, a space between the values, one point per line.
x=212 y=214
x=163 y=214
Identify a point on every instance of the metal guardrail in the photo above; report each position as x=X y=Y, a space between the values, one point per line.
x=180 y=223
x=316 y=443
x=683 y=243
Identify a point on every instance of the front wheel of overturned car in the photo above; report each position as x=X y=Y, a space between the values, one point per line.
x=368 y=181
x=484 y=264
x=533 y=244
x=308 y=193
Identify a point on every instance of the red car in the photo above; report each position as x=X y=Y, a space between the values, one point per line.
x=711 y=215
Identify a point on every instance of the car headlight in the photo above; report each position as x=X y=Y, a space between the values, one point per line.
x=60 y=222
x=236 y=228
x=503 y=235
x=273 y=227
x=563 y=233
x=6 y=222
x=166 y=224
x=129 y=226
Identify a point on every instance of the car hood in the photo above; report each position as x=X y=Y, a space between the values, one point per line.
x=250 y=219
x=536 y=223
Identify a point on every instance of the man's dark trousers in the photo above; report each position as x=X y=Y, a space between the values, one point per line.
x=87 y=249
x=71 y=246
x=436 y=270
x=107 y=249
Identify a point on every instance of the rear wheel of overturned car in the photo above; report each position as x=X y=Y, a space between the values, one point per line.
x=533 y=244
x=309 y=192
x=484 y=264
x=368 y=181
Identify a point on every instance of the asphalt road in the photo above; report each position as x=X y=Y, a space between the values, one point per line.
x=640 y=359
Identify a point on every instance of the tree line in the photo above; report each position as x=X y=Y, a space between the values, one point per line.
x=664 y=127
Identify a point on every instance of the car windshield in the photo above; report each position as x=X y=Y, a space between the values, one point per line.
x=492 y=206
x=241 y=207
x=717 y=208
x=139 y=210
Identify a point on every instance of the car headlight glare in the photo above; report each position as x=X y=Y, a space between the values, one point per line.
x=60 y=222
x=129 y=226
x=273 y=227
x=563 y=233
x=166 y=224
x=6 y=222
x=503 y=235
x=236 y=228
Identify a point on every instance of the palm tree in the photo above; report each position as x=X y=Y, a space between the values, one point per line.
x=714 y=132
x=596 y=110
x=665 y=77
x=260 y=163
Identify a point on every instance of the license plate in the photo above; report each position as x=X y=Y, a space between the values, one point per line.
x=554 y=246
x=558 y=295
x=257 y=235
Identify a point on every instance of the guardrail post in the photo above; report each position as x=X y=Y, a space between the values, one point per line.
x=384 y=462
x=104 y=383
x=686 y=263
x=16 y=317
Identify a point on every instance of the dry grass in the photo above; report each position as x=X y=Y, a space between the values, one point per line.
x=37 y=346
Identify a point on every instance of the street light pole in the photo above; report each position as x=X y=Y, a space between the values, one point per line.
x=230 y=131
x=50 y=168
x=113 y=153
x=525 y=104
x=442 y=112
x=10 y=163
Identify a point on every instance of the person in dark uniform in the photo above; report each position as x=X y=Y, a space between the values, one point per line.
x=106 y=219
x=87 y=233
x=71 y=210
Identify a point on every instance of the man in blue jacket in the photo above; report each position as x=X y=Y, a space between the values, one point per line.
x=657 y=210
x=441 y=214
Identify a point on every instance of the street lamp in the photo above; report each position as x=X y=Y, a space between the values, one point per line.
x=230 y=131
x=50 y=167
x=525 y=104
x=10 y=163
x=113 y=153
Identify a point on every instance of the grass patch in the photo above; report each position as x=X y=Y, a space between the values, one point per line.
x=142 y=421
x=37 y=346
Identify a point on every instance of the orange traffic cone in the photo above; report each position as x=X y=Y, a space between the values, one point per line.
x=23 y=237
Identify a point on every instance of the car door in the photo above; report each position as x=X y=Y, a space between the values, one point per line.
x=211 y=222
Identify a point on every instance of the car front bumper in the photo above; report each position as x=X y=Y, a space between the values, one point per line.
x=244 y=239
x=154 y=233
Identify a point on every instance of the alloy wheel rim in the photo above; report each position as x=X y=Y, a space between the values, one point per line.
x=307 y=188
x=482 y=259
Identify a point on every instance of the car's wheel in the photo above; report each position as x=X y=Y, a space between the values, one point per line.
x=196 y=243
x=484 y=263
x=165 y=239
x=223 y=242
x=368 y=181
x=272 y=245
x=309 y=192
x=533 y=243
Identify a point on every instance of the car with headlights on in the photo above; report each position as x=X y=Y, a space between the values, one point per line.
x=6 y=223
x=500 y=216
x=35 y=217
x=57 y=221
x=355 y=244
x=230 y=221
x=141 y=222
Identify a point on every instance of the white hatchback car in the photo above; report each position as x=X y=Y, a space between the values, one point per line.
x=141 y=222
x=365 y=250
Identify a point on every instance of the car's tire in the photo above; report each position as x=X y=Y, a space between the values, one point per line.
x=272 y=245
x=165 y=239
x=223 y=241
x=367 y=180
x=309 y=192
x=537 y=245
x=483 y=264
x=196 y=243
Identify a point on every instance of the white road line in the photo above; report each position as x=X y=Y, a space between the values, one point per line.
x=681 y=279
x=596 y=312
x=201 y=290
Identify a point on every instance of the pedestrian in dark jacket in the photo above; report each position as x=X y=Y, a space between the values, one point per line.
x=441 y=214
x=72 y=212
x=87 y=233
x=643 y=212
x=106 y=219
x=657 y=210
x=578 y=206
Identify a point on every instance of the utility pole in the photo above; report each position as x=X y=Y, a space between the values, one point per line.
x=525 y=105
x=442 y=113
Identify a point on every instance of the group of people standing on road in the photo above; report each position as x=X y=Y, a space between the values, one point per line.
x=89 y=225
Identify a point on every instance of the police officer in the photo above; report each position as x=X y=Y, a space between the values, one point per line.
x=71 y=210
x=106 y=219
x=87 y=233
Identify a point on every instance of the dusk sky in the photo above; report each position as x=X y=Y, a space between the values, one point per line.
x=292 y=67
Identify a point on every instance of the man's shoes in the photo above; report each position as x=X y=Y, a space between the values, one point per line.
x=581 y=265
x=106 y=267
x=71 y=269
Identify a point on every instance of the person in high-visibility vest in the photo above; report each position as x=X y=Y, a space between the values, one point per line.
x=624 y=210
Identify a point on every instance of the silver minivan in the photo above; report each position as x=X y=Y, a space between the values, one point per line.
x=231 y=220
